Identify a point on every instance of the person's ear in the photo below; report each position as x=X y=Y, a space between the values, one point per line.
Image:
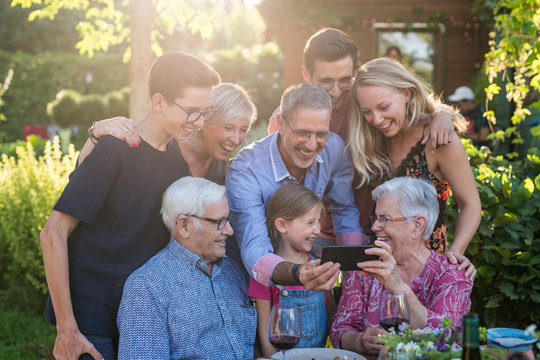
x=306 y=75
x=281 y=225
x=407 y=93
x=420 y=223
x=159 y=103
x=279 y=124
x=182 y=225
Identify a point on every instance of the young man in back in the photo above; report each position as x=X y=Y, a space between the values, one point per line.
x=106 y=223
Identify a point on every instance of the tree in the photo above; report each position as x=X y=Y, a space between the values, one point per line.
x=139 y=22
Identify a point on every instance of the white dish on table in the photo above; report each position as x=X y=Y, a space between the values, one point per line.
x=319 y=354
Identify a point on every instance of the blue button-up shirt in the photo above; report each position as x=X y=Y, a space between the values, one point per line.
x=258 y=171
x=172 y=308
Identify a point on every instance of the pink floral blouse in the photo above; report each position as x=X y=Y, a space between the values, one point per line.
x=440 y=287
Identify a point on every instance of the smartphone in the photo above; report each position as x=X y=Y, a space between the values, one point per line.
x=347 y=256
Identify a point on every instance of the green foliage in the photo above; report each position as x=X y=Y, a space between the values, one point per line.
x=257 y=69
x=117 y=103
x=37 y=142
x=506 y=247
x=3 y=88
x=17 y=34
x=107 y=22
x=29 y=187
x=514 y=54
x=38 y=78
x=65 y=109
x=25 y=335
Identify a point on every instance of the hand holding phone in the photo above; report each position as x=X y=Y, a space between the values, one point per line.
x=347 y=256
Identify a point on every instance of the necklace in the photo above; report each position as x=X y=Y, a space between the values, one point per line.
x=301 y=177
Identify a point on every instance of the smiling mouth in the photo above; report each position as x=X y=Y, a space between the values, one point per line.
x=306 y=154
x=383 y=238
x=385 y=126
x=227 y=148
x=188 y=130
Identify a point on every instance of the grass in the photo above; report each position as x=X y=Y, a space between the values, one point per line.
x=25 y=335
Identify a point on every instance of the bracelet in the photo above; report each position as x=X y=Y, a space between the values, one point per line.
x=294 y=273
x=93 y=137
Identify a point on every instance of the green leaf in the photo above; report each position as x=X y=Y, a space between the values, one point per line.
x=535 y=297
x=493 y=301
x=508 y=289
x=486 y=271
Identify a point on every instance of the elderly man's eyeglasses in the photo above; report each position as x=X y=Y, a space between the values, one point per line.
x=220 y=222
x=193 y=116
x=304 y=135
x=344 y=84
x=384 y=219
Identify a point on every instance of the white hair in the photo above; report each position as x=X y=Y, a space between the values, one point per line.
x=415 y=198
x=189 y=195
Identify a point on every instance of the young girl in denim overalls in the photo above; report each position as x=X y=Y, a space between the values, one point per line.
x=293 y=215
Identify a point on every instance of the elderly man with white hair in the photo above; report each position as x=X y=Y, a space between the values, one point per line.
x=405 y=215
x=188 y=301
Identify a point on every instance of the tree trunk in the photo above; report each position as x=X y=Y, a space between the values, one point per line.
x=141 y=57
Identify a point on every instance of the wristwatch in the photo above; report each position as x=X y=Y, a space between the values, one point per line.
x=93 y=137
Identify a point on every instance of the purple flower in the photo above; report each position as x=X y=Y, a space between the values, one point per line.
x=441 y=346
x=402 y=326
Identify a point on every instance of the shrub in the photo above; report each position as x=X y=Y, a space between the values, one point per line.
x=29 y=187
x=38 y=78
x=506 y=247
x=65 y=108
x=93 y=107
x=117 y=103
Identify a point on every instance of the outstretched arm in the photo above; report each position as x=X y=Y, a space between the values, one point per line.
x=120 y=127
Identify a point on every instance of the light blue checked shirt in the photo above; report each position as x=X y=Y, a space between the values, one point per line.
x=172 y=309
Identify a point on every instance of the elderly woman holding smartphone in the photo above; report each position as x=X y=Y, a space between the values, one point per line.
x=405 y=215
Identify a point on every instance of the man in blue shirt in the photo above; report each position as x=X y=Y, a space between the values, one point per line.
x=302 y=151
x=188 y=301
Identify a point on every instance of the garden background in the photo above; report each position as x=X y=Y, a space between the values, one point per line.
x=47 y=78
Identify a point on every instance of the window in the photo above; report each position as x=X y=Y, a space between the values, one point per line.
x=416 y=44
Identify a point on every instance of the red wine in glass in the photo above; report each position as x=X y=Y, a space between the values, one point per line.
x=284 y=342
x=284 y=327
x=393 y=311
x=393 y=323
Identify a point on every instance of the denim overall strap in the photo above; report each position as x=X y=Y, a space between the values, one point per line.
x=312 y=315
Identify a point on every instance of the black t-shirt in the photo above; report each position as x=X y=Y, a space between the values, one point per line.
x=116 y=194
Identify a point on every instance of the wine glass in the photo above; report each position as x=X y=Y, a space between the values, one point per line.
x=393 y=311
x=284 y=328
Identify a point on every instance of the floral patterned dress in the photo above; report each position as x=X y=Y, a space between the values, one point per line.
x=415 y=165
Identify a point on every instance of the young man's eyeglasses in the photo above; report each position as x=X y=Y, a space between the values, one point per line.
x=193 y=116
x=304 y=135
x=344 y=84
x=384 y=219
x=220 y=222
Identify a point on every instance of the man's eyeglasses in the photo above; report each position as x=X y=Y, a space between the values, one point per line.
x=344 y=84
x=384 y=219
x=193 y=116
x=220 y=222
x=304 y=135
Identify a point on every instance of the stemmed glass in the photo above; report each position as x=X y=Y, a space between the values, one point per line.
x=393 y=311
x=284 y=328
